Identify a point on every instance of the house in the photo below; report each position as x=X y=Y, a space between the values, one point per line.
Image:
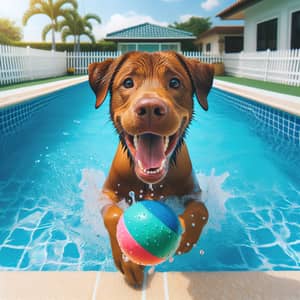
x=149 y=37
x=269 y=24
x=221 y=39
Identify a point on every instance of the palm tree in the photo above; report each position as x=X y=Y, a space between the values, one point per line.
x=76 y=25
x=51 y=8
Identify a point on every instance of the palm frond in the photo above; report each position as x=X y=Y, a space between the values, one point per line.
x=45 y=31
x=34 y=2
x=65 y=33
x=31 y=12
x=60 y=3
x=89 y=35
x=88 y=25
x=92 y=17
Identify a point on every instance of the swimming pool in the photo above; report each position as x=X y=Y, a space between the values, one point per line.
x=56 y=151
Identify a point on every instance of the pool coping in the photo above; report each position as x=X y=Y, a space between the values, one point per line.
x=283 y=102
x=167 y=285
x=23 y=94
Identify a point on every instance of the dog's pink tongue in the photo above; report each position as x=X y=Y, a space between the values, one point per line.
x=150 y=151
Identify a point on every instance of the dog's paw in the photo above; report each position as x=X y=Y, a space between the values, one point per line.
x=133 y=273
x=194 y=219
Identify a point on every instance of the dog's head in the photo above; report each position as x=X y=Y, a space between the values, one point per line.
x=151 y=104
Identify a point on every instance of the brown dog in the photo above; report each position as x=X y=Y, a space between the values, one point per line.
x=151 y=107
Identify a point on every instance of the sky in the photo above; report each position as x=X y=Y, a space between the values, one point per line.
x=119 y=14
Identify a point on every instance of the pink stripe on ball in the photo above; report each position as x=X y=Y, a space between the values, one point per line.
x=132 y=249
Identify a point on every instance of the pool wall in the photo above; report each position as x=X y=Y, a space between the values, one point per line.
x=282 y=123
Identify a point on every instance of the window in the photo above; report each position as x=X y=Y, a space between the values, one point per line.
x=201 y=47
x=208 y=47
x=174 y=47
x=127 y=47
x=267 y=35
x=233 y=44
x=148 y=47
x=295 y=37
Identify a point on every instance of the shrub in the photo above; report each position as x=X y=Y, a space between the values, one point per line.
x=99 y=46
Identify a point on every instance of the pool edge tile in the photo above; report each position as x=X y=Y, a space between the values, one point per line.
x=47 y=285
x=234 y=285
x=113 y=286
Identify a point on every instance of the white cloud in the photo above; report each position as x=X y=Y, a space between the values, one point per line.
x=121 y=21
x=185 y=18
x=210 y=4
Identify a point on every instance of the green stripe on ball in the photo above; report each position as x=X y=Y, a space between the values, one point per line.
x=149 y=232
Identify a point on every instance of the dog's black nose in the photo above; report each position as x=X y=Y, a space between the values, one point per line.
x=150 y=108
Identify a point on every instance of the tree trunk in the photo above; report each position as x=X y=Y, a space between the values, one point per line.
x=74 y=47
x=53 y=36
x=78 y=43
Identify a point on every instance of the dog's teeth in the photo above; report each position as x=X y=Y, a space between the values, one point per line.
x=140 y=164
x=135 y=141
x=166 y=143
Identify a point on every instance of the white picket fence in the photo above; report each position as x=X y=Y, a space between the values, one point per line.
x=21 y=64
x=281 y=66
x=80 y=60
x=205 y=57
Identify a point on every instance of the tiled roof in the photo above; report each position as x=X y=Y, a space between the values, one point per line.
x=147 y=31
x=223 y=30
x=236 y=9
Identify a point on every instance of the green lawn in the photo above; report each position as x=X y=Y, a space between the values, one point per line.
x=270 y=86
x=35 y=82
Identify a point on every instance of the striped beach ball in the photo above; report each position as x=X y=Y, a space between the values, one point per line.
x=148 y=232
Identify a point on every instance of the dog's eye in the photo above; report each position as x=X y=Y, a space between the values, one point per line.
x=174 y=83
x=128 y=83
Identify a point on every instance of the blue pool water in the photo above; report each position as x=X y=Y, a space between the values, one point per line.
x=52 y=168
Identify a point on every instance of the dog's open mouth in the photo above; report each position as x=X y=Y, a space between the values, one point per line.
x=151 y=153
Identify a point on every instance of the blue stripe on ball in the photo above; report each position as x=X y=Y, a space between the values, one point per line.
x=164 y=214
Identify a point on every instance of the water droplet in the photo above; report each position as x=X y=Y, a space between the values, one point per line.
x=192 y=216
x=37 y=161
x=179 y=252
x=116 y=192
x=193 y=224
x=203 y=218
x=202 y=252
x=125 y=258
x=161 y=186
x=151 y=186
x=118 y=184
x=171 y=259
x=151 y=270
x=161 y=197
x=188 y=244
x=141 y=196
x=132 y=195
x=141 y=191
x=152 y=195
x=194 y=245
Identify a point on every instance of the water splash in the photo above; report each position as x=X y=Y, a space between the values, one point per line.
x=214 y=196
x=93 y=200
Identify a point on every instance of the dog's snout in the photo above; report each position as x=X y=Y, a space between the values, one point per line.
x=150 y=108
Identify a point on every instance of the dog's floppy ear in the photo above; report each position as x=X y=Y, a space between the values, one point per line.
x=100 y=75
x=201 y=75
